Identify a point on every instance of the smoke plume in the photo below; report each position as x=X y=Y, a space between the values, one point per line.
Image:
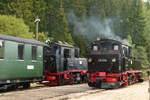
x=93 y=27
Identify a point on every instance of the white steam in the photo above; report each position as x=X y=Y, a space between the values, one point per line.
x=93 y=27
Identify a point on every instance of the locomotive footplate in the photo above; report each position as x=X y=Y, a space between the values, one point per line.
x=105 y=85
x=110 y=85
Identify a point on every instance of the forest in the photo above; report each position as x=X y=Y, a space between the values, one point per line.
x=79 y=22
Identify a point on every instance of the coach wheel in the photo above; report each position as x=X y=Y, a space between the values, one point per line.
x=12 y=87
x=26 y=85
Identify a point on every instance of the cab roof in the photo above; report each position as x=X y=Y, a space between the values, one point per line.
x=113 y=41
x=61 y=44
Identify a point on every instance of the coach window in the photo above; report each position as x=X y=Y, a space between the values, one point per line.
x=20 y=51
x=2 y=49
x=34 y=52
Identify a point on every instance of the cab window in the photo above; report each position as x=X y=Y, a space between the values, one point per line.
x=125 y=51
x=67 y=53
x=95 y=48
x=116 y=47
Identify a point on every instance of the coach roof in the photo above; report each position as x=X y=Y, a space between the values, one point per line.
x=21 y=40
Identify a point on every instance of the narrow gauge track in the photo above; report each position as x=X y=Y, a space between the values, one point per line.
x=43 y=93
x=3 y=91
x=75 y=95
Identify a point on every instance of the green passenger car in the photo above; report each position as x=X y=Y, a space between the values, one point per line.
x=21 y=61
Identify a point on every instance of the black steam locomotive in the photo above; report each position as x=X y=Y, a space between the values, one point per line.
x=63 y=64
x=110 y=64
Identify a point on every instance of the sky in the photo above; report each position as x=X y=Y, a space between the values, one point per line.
x=147 y=0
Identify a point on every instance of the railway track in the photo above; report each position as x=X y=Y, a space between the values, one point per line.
x=75 y=95
x=33 y=86
x=49 y=93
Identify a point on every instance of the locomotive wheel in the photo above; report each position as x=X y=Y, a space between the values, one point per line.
x=91 y=84
x=84 y=79
x=140 y=80
x=129 y=82
x=98 y=83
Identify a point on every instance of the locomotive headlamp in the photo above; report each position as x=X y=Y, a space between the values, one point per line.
x=80 y=62
x=131 y=62
x=89 y=60
x=114 y=60
x=98 y=38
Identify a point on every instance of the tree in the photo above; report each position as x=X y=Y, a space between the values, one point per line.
x=140 y=53
x=147 y=29
x=29 y=10
x=58 y=23
x=81 y=42
x=10 y=25
x=23 y=9
x=4 y=7
x=137 y=22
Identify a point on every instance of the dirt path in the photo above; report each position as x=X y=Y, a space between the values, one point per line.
x=79 y=92
x=134 y=92
x=44 y=92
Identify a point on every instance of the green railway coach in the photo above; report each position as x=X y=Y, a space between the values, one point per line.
x=21 y=61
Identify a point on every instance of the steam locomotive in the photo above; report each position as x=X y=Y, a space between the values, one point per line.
x=110 y=64
x=63 y=64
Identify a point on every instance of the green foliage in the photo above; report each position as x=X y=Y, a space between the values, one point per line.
x=43 y=36
x=23 y=9
x=80 y=42
x=147 y=30
x=140 y=53
x=144 y=74
x=137 y=20
x=129 y=39
x=10 y=25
